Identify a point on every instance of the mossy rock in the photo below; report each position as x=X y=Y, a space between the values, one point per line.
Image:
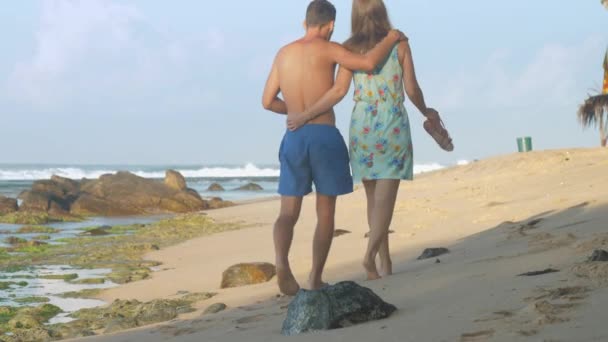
x=33 y=299
x=197 y=297
x=66 y=277
x=36 y=218
x=5 y=285
x=14 y=241
x=127 y=314
x=89 y=281
x=32 y=318
x=37 y=230
x=99 y=231
x=87 y=293
x=42 y=237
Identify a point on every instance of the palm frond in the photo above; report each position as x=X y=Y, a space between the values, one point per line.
x=593 y=109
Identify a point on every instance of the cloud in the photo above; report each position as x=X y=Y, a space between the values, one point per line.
x=69 y=33
x=554 y=75
x=106 y=53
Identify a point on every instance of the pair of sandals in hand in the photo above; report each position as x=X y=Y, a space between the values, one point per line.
x=436 y=129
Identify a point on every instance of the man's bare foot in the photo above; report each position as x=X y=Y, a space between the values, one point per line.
x=287 y=282
x=372 y=271
x=386 y=268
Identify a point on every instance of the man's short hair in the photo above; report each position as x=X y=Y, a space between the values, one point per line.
x=319 y=13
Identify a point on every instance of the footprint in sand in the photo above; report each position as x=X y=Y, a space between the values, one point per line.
x=496 y=316
x=595 y=271
x=570 y=293
x=550 y=313
x=251 y=319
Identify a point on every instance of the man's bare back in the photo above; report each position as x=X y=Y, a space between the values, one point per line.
x=306 y=72
x=303 y=71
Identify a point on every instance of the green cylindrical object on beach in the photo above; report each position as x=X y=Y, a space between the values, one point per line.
x=524 y=144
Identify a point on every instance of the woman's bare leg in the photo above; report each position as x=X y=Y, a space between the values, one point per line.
x=384 y=196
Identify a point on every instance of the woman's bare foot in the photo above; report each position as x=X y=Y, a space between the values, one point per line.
x=287 y=282
x=386 y=267
x=370 y=268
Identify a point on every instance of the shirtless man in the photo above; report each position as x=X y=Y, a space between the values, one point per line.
x=303 y=71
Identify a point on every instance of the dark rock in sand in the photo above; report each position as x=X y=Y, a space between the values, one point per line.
x=367 y=234
x=340 y=232
x=175 y=180
x=333 y=307
x=537 y=273
x=215 y=308
x=8 y=205
x=599 y=255
x=247 y=274
x=215 y=187
x=250 y=187
x=433 y=253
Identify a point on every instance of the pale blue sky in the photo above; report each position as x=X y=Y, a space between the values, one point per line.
x=153 y=81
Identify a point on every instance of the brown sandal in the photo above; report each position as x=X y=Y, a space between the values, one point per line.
x=440 y=134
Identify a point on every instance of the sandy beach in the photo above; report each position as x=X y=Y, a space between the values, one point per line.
x=499 y=217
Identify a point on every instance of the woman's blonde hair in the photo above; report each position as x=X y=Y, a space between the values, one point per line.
x=370 y=24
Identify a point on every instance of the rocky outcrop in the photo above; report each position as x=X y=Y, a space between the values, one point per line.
x=215 y=187
x=117 y=194
x=8 y=205
x=250 y=187
x=247 y=274
x=175 y=180
x=337 y=306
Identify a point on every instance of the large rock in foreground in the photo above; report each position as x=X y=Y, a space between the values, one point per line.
x=8 y=205
x=338 y=306
x=247 y=274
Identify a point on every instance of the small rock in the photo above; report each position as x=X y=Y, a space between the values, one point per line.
x=537 y=273
x=218 y=203
x=8 y=205
x=250 y=187
x=215 y=187
x=340 y=232
x=433 y=252
x=215 y=308
x=99 y=231
x=13 y=241
x=247 y=274
x=599 y=255
x=437 y=261
x=341 y=305
x=367 y=234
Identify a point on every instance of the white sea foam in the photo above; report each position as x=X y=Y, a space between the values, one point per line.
x=247 y=171
x=75 y=172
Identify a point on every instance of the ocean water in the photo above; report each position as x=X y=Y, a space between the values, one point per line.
x=16 y=178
